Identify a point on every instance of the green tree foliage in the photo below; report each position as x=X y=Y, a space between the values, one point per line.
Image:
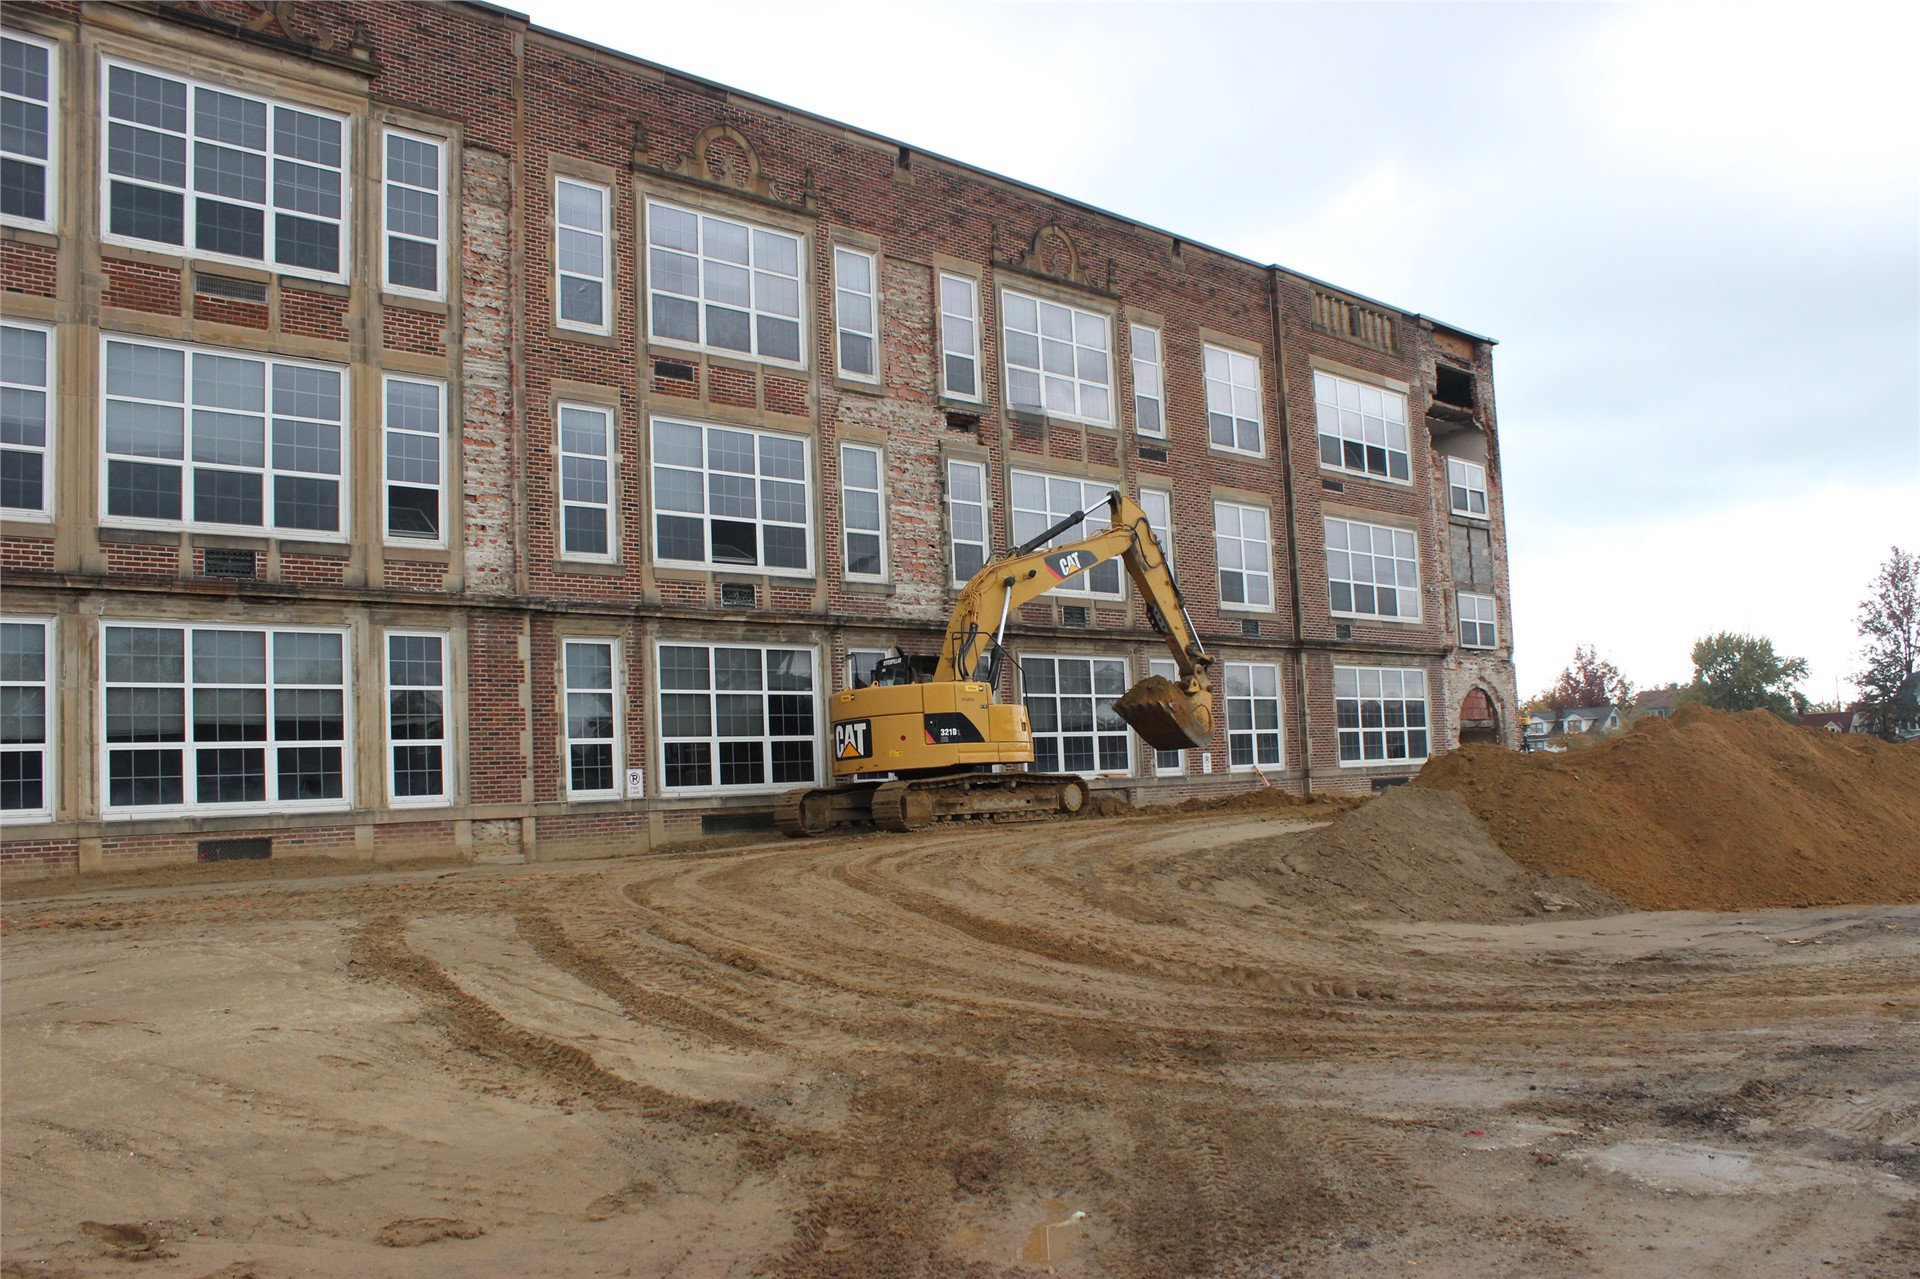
x=1890 y=625
x=1742 y=673
x=1588 y=681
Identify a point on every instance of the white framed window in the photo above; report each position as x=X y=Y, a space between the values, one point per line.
x=582 y=256
x=591 y=706
x=856 y=313
x=416 y=461
x=1380 y=714
x=1478 y=625
x=1157 y=506
x=1363 y=428
x=415 y=178
x=26 y=420
x=1372 y=571
x=26 y=720
x=1149 y=381
x=1040 y=501
x=736 y=718
x=1233 y=401
x=725 y=498
x=960 y=337
x=1069 y=703
x=1058 y=359
x=863 y=510
x=216 y=718
x=1466 y=488
x=29 y=129
x=220 y=439
x=718 y=284
x=225 y=176
x=1167 y=763
x=1253 y=716
x=1244 y=549
x=417 y=732
x=860 y=666
x=966 y=519
x=586 y=482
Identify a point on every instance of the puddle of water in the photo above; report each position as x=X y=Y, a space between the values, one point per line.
x=1696 y=1169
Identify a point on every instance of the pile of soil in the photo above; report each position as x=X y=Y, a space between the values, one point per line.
x=1706 y=811
x=1409 y=854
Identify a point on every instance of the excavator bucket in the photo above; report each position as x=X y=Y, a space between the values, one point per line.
x=1167 y=716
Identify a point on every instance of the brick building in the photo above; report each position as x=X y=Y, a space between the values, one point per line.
x=425 y=432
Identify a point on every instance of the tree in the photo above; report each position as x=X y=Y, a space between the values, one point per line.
x=1742 y=673
x=1890 y=624
x=1588 y=681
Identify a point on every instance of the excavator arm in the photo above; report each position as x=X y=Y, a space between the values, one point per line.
x=1168 y=715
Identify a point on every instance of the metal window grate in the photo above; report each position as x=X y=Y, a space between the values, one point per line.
x=1343 y=631
x=1153 y=453
x=739 y=595
x=673 y=370
x=223 y=562
x=235 y=850
x=225 y=286
x=1073 y=615
x=1333 y=486
x=1250 y=626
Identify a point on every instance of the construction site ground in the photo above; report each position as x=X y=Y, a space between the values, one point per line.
x=1168 y=1044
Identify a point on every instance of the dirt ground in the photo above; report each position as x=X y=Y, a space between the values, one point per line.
x=1198 y=1043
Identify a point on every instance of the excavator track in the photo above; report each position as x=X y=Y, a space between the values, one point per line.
x=918 y=803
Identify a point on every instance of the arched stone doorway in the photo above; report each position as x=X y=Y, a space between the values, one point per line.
x=1479 y=721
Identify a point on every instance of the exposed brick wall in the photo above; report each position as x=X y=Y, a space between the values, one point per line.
x=28 y=268
x=142 y=561
x=29 y=858
x=421 y=332
x=414 y=575
x=311 y=314
x=598 y=835
x=315 y=570
x=248 y=315
x=141 y=286
x=26 y=554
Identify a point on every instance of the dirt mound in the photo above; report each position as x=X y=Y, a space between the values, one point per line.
x=1706 y=811
x=1410 y=855
x=1261 y=800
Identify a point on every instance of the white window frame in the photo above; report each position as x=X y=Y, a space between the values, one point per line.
x=615 y=693
x=1010 y=301
x=1481 y=612
x=388 y=233
x=954 y=541
x=189 y=197
x=610 y=460
x=387 y=481
x=1340 y=548
x=767 y=738
x=1149 y=378
x=604 y=325
x=755 y=266
x=1466 y=481
x=46 y=748
x=1351 y=685
x=50 y=434
x=852 y=667
x=1167 y=763
x=49 y=178
x=1234 y=386
x=397 y=744
x=1352 y=415
x=186 y=745
x=1091 y=495
x=706 y=515
x=268 y=471
x=1237 y=538
x=957 y=342
x=1251 y=703
x=879 y=491
x=1160 y=520
x=842 y=293
x=1030 y=665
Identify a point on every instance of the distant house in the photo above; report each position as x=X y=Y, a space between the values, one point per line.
x=1544 y=728
x=1833 y=721
x=1657 y=702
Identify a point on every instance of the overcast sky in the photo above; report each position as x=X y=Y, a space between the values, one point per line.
x=1694 y=229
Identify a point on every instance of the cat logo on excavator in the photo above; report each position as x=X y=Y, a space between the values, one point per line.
x=853 y=739
x=1065 y=564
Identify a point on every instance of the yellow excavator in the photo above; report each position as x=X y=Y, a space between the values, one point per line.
x=923 y=741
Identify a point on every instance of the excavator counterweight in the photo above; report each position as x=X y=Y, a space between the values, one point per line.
x=922 y=742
